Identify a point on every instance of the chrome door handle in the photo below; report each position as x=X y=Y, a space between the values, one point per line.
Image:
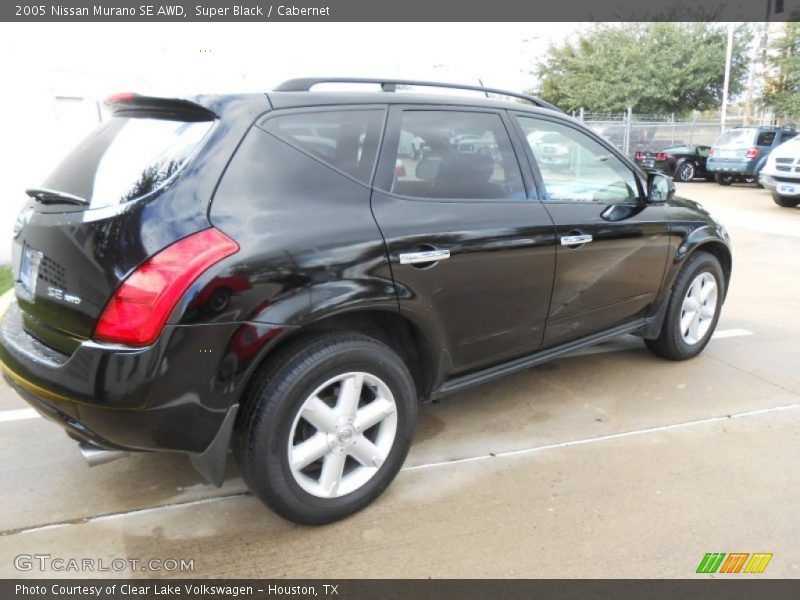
x=424 y=256
x=575 y=240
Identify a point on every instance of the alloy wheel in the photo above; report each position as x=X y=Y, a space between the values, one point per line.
x=686 y=172
x=698 y=308
x=342 y=434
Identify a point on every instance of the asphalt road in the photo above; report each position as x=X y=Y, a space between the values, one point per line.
x=609 y=463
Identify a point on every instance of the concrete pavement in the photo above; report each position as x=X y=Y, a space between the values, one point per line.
x=610 y=463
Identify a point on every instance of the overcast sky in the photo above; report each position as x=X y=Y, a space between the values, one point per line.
x=211 y=57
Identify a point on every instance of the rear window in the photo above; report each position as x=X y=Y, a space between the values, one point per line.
x=126 y=158
x=346 y=139
x=737 y=137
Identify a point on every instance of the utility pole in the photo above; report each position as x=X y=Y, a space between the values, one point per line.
x=727 y=80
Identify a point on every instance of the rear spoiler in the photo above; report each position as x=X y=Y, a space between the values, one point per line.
x=130 y=104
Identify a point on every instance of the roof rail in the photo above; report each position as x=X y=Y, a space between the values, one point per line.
x=304 y=84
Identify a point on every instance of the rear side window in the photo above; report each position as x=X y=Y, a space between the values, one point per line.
x=457 y=155
x=346 y=140
x=765 y=138
x=126 y=158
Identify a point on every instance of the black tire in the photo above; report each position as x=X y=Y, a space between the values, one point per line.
x=276 y=395
x=785 y=201
x=685 y=172
x=724 y=178
x=670 y=343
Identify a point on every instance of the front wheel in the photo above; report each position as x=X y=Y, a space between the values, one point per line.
x=326 y=427
x=693 y=310
x=785 y=201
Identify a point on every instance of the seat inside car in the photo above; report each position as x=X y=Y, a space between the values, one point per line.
x=453 y=175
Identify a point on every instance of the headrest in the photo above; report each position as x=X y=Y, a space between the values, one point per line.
x=456 y=167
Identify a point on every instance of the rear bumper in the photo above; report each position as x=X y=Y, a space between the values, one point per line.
x=663 y=166
x=118 y=398
x=59 y=412
x=738 y=166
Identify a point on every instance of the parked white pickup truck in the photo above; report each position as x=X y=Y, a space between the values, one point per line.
x=781 y=174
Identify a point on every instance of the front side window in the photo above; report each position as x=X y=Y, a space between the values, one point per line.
x=575 y=167
x=345 y=139
x=457 y=155
x=765 y=138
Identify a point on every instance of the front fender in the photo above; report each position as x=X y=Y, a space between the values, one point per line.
x=710 y=236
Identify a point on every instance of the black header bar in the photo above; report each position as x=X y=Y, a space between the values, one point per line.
x=399 y=11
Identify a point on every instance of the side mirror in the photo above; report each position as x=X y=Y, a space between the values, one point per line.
x=660 y=188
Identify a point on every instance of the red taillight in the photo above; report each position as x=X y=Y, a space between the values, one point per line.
x=400 y=170
x=121 y=97
x=753 y=153
x=140 y=307
x=711 y=153
x=638 y=155
x=662 y=156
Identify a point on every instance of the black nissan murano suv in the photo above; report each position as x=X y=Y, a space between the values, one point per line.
x=291 y=274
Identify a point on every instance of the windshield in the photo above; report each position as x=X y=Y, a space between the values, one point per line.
x=126 y=158
x=736 y=137
x=788 y=148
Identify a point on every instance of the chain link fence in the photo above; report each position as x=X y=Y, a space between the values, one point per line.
x=633 y=133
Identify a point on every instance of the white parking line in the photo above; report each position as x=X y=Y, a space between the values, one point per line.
x=729 y=333
x=18 y=414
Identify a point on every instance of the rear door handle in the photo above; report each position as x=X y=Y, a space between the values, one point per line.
x=423 y=256
x=576 y=240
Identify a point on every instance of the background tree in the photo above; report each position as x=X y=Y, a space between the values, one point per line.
x=654 y=67
x=782 y=81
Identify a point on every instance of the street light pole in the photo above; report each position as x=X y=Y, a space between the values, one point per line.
x=726 y=82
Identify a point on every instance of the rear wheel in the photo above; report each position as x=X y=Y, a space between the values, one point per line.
x=785 y=201
x=326 y=427
x=724 y=179
x=693 y=310
x=686 y=172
